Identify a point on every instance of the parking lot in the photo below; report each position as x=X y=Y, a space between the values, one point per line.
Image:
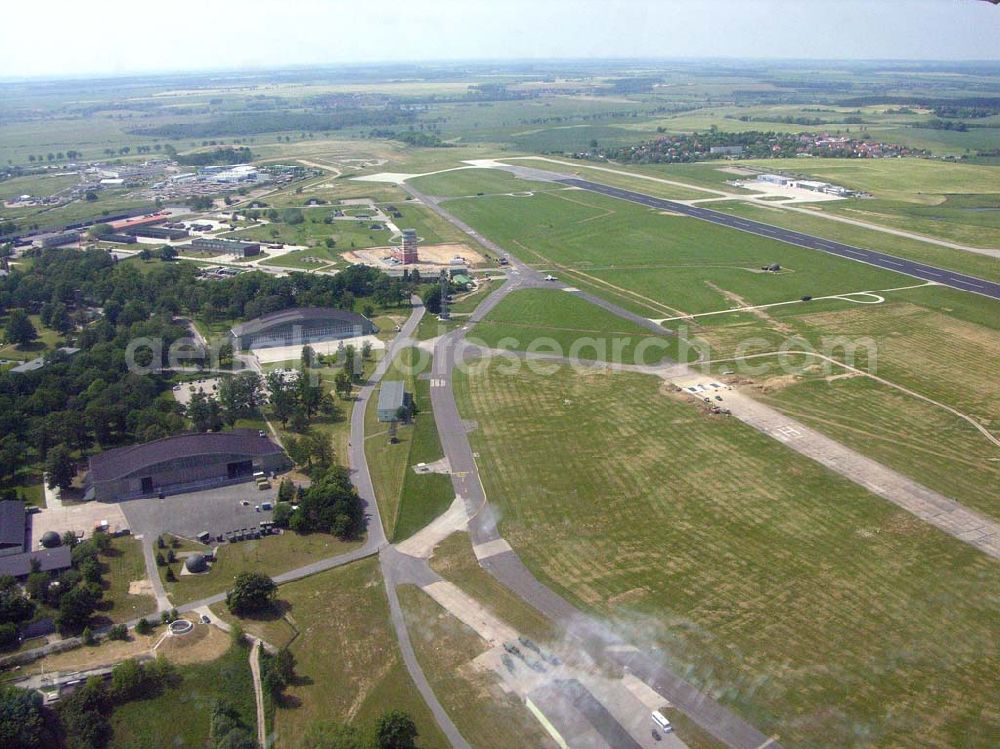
x=80 y=518
x=219 y=511
x=185 y=390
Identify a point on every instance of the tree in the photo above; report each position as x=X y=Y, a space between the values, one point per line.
x=308 y=356
x=286 y=490
x=76 y=607
x=21 y=722
x=252 y=592
x=343 y=384
x=84 y=716
x=145 y=255
x=118 y=632
x=282 y=514
x=143 y=627
x=19 y=329
x=432 y=299
x=167 y=252
x=60 y=467
x=205 y=412
x=395 y=729
x=100 y=230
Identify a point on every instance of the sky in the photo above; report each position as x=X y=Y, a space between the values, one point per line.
x=54 y=38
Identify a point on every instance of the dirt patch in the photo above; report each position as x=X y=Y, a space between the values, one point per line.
x=107 y=653
x=670 y=213
x=429 y=254
x=204 y=643
x=140 y=588
x=742 y=171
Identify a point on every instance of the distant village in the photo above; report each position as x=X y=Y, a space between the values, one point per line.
x=754 y=144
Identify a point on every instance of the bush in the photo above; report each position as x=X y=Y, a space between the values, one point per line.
x=160 y=561
x=118 y=632
x=170 y=576
x=143 y=627
x=88 y=637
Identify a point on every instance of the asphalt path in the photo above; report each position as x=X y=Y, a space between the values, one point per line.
x=871 y=257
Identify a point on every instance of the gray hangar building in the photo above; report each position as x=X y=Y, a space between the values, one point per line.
x=188 y=462
x=300 y=326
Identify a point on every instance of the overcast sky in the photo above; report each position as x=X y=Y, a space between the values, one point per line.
x=72 y=37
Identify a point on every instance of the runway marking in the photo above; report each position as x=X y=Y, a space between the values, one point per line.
x=438 y=383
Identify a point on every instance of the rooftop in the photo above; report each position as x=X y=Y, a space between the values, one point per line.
x=390 y=396
x=293 y=315
x=114 y=464
x=49 y=560
x=12 y=522
x=39 y=362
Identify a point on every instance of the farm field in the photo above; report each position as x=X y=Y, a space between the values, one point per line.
x=488 y=717
x=180 y=716
x=552 y=321
x=348 y=664
x=930 y=445
x=657 y=265
x=750 y=566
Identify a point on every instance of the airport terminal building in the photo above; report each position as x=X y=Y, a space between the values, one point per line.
x=300 y=326
x=188 y=462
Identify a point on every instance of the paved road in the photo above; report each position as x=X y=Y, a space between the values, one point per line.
x=871 y=257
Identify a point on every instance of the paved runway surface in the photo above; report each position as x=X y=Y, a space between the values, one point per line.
x=878 y=259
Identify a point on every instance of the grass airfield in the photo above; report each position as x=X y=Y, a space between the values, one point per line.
x=808 y=604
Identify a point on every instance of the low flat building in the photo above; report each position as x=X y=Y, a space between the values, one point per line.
x=156 y=232
x=188 y=462
x=39 y=362
x=226 y=246
x=300 y=326
x=392 y=397
x=47 y=560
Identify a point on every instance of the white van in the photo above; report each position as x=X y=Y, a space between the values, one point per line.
x=661 y=722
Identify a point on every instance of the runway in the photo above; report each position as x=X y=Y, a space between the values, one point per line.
x=871 y=257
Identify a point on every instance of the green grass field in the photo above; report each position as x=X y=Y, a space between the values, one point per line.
x=271 y=554
x=466 y=182
x=859 y=236
x=124 y=564
x=487 y=716
x=553 y=321
x=41 y=185
x=602 y=173
x=809 y=603
x=407 y=501
x=918 y=439
x=347 y=661
x=658 y=265
x=180 y=716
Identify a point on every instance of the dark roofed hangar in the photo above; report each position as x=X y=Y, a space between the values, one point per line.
x=300 y=326
x=184 y=463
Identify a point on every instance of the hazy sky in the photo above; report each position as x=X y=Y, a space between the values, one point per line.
x=66 y=37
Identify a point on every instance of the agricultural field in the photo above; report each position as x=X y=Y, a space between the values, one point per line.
x=755 y=570
x=36 y=185
x=349 y=668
